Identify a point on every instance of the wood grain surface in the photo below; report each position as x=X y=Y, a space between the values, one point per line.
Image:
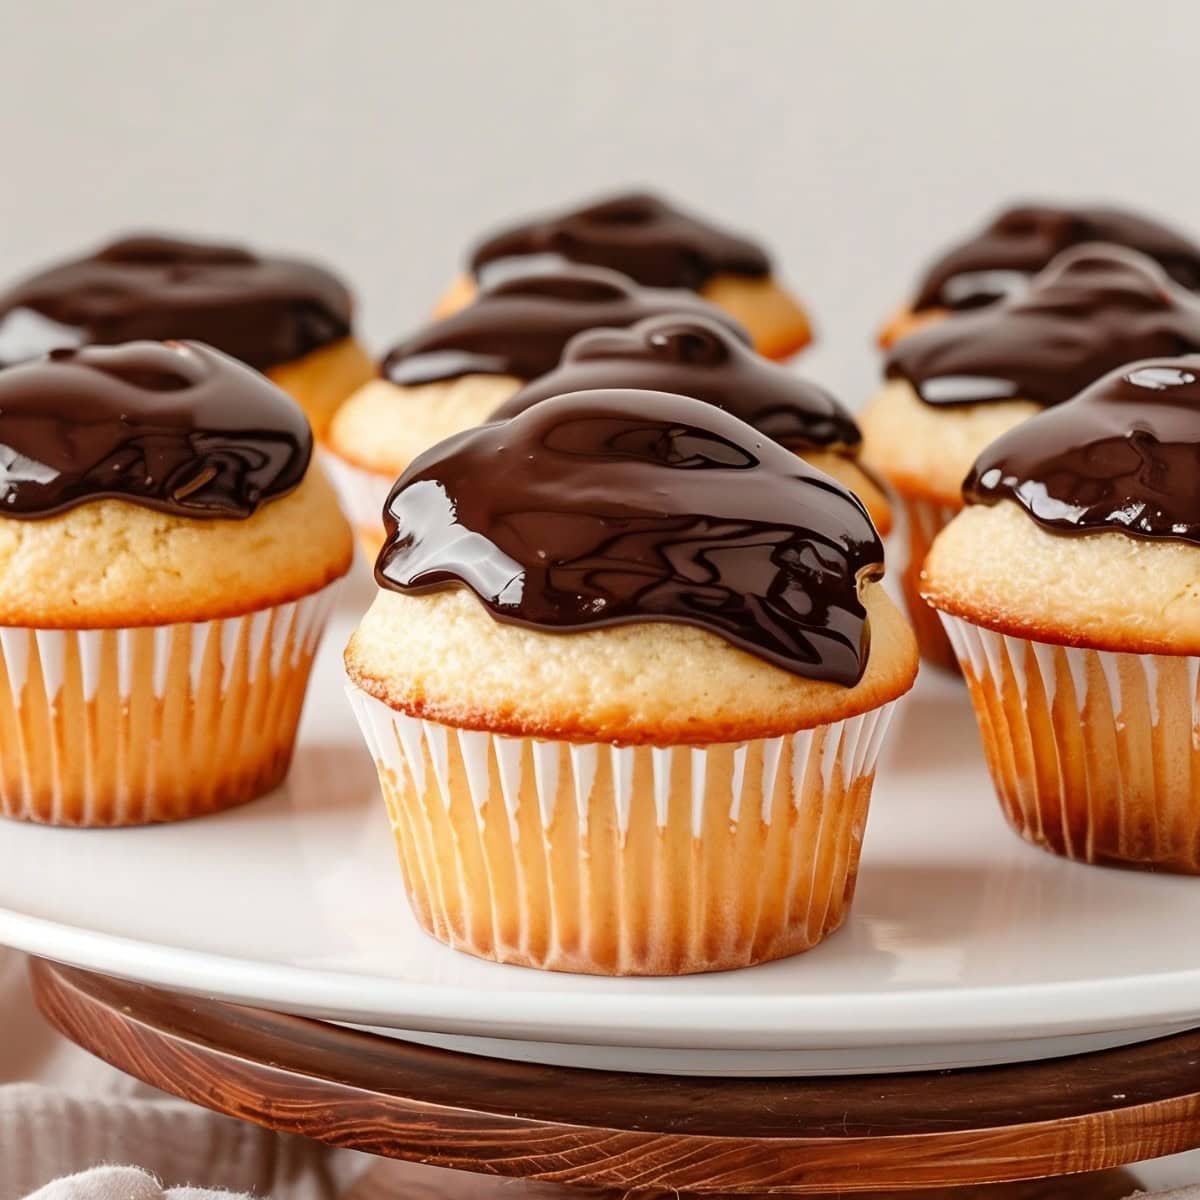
x=639 y=1132
x=389 y=1180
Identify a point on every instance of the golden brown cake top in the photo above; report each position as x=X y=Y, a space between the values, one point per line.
x=636 y=233
x=173 y=426
x=1091 y=310
x=261 y=310
x=998 y=260
x=609 y=507
x=698 y=357
x=1123 y=456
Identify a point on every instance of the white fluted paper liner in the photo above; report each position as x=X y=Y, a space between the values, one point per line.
x=126 y=726
x=1095 y=754
x=924 y=519
x=362 y=494
x=625 y=860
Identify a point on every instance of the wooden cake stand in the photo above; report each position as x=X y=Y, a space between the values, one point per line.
x=647 y=1133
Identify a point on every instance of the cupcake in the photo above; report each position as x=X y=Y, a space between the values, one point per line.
x=625 y=682
x=157 y=623
x=289 y=319
x=999 y=260
x=956 y=386
x=697 y=357
x=642 y=236
x=456 y=372
x=1068 y=586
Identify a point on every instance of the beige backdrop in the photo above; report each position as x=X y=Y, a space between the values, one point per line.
x=854 y=136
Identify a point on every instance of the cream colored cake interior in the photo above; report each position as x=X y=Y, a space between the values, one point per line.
x=113 y=563
x=995 y=566
x=928 y=450
x=383 y=427
x=443 y=656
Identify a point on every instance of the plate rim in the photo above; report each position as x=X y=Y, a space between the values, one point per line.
x=796 y=1021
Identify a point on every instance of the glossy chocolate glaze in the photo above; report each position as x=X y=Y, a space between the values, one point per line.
x=609 y=507
x=692 y=356
x=636 y=233
x=520 y=326
x=1123 y=455
x=172 y=426
x=1093 y=309
x=998 y=261
x=264 y=311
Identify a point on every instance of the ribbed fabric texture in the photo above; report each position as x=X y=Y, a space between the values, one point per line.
x=46 y=1133
x=63 y=1111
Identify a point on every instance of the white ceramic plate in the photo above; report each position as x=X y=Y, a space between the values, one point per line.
x=965 y=945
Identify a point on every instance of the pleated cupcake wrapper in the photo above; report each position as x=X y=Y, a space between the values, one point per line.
x=363 y=495
x=1095 y=755
x=625 y=860
x=127 y=726
x=924 y=520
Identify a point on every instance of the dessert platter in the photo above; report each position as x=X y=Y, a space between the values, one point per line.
x=963 y=949
x=615 y=753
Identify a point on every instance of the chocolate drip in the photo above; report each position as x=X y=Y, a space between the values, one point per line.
x=176 y=427
x=636 y=233
x=1093 y=309
x=520 y=326
x=998 y=261
x=698 y=358
x=264 y=311
x=1123 y=455
x=610 y=507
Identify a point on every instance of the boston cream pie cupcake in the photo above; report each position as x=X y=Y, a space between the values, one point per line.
x=999 y=260
x=287 y=318
x=954 y=387
x=455 y=373
x=625 y=682
x=656 y=244
x=157 y=623
x=693 y=356
x=1069 y=588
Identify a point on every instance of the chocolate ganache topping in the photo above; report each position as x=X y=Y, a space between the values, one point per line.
x=521 y=325
x=172 y=426
x=636 y=233
x=264 y=311
x=1123 y=455
x=616 y=506
x=1094 y=308
x=693 y=356
x=998 y=261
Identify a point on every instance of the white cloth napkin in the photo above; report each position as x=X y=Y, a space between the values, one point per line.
x=74 y=1128
x=120 y=1183
x=47 y=1132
